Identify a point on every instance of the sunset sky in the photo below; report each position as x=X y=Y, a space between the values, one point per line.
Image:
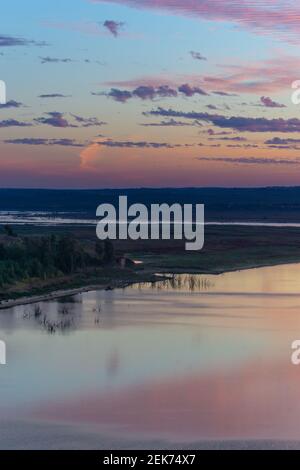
x=157 y=93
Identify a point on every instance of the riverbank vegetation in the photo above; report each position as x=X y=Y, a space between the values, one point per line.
x=37 y=260
x=32 y=259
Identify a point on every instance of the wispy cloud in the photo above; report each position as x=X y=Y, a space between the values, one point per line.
x=188 y=90
x=55 y=60
x=279 y=141
x=133 y=144
x=54 y=96
x=88 y=122
x=149 y=92
x=261 y=77
x=170 y=123
x=251 y=160
x=223 y=93
x=54 y=119
x=197 y=55
x=269 y=103
x=239 y=123
x=14 y=123
x=90 y=28
x=229 y=139
x=48 y=142
x=57 y=119
x=11 y=104
x=113 y=27
x=13 y=41
x=118 y=95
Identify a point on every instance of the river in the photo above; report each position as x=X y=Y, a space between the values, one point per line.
x=174 y=364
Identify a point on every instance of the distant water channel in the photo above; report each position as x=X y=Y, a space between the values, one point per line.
x=67 y=218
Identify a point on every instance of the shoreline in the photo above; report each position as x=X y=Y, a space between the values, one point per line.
x=59 y=294
x=151 y=277
x=224 y=271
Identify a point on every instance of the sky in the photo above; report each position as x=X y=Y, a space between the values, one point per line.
x=149 y=93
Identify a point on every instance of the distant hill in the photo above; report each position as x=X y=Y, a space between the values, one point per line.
x=265 y=204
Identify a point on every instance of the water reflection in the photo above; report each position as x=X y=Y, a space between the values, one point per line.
x=191 y=357
x=284 y=279
x=191 y=282
x=61 y=320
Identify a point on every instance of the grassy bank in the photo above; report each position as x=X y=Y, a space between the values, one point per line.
x=226 y=248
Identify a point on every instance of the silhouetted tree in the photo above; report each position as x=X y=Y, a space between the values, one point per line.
x=99 y=248
x=109 y=252
x=66 y=254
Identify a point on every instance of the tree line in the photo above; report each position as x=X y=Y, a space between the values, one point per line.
x=48 y=257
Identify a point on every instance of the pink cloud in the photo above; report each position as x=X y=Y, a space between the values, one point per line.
x=265 y=16
x=154 y=81
x=269 y=76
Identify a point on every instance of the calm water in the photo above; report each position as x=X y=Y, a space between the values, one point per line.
x=196 y=358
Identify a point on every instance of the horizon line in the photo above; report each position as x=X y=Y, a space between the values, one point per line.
x=152 y=188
